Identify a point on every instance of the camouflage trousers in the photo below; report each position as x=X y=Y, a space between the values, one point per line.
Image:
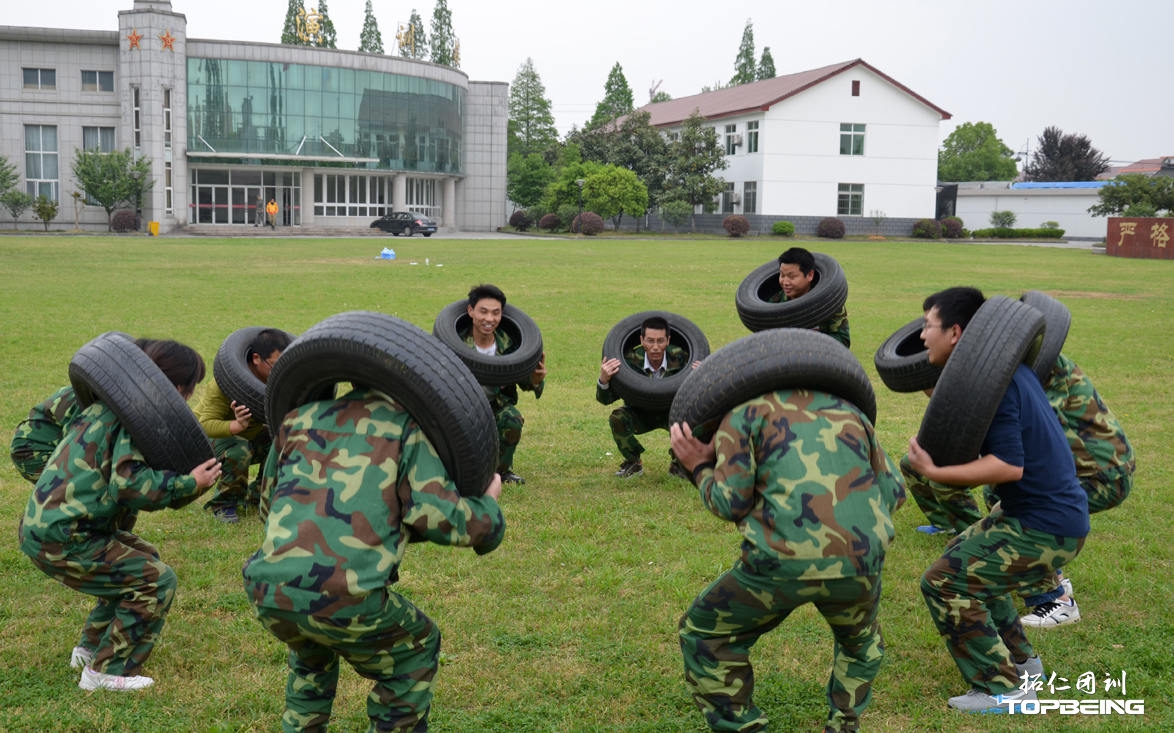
x=968 y=591
x=388 y=641
x=727 y=618
x=509 y=434
x=134 y=589
x=628 y=422
x=236 y=454
x=945 y=506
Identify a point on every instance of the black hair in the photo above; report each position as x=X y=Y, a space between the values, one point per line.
x=269 y=340
x=798 y=256
x=182 y=365
x=656 y=323
x=481 y=292
x=956 y=306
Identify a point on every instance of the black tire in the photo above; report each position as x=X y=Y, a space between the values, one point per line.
x=399 y=359
x=231 y=371
x=1003 y=334
x=407 y=231
x=784 y=358
x=1057 y=320
x=499 y=370
x=829 y=292
x=427 y=234
x=634 y=387
x=902 y=361
x=114 y=370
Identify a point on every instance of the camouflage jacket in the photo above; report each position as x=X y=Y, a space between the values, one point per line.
x=93 y=484
x=348 y=482
x=39 y=434
x=503 y=395
x=836 y=326
x=808 y=484
x=675 y=359
x=1098 y=443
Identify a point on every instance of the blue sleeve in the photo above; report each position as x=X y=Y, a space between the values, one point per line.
x=1004 y=438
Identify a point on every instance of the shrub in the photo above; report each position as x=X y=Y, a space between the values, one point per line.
x=952 y=228
x=550 y=222
x=677 y=213
x=927 y=229
x=736 y=225
x=589 y=223
x=1050 y=225
x=783 y=229
x=1002 y=219
x=830 y=228
x=566 y=214
x=520 y=220
x=123 y=220
x=45 y=209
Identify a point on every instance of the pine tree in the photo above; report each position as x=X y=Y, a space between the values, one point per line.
x=617 y=98
x=531 y=120
x=766 y=67
x=413 y=42
x=745 y=69
x=443 y=39
x=289 y=31
x=370 y=39
x=326 y=34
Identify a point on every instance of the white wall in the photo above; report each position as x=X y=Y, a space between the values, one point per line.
x=1032 y=207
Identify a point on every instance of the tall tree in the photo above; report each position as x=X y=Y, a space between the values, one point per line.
x=617 y=98
x=634 y=144
x=974 y=152
x=327 y=37
x=527 y=177
x=443 y=40
x=413 y=41
x=693 y=159
x=1060 y=157
x=745 y=69
x=531 y=123
x=112 y=179
x=370 y=39
x=289 y=31
x=766 y=65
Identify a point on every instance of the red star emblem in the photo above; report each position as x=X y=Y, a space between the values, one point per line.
x=168 y=41
x=134 y=39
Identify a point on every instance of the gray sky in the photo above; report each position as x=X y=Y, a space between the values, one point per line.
x=1091 y=67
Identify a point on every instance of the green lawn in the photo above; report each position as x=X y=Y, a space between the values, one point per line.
x=571 y=624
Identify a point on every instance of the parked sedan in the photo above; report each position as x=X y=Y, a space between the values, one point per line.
x=406 y=223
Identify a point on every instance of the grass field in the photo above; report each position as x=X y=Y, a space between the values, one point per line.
x=571 y=624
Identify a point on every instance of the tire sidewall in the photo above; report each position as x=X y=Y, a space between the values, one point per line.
x=635 y=387
x=902 y=361
x=828 y=294
x=494 y=370
x=233 y=374
x=1057 y=320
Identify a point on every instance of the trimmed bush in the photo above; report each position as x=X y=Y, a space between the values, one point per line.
x=589 y=224
x=830 y=228
x=927 y=229
x=520 y=220
x=677 y=213
x=1009 y=233
x=1002 y=219
x=550 y=222
x=783 y=229
x=123 y=221
x=736 y=225
x=952 y=228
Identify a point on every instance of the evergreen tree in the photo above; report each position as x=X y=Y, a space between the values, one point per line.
x=413 y=41
x=745 y=69
x=531 y=122
x=289 y=31
x=766 y=66
x=1061 y=157
x=693 y=158
x=370 y=40
x=617 y=98
x=326 y=35
x=443 y=40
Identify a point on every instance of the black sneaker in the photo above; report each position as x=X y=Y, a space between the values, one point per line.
x=628 y=469
x=509 y=477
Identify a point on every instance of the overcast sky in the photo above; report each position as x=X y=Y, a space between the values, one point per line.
x=1101 y=69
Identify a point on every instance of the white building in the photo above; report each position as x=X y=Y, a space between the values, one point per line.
x=1034 y=203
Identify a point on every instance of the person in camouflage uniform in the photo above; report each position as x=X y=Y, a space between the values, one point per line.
x=236 y=437
x=349 y=482
x=1038 y=526
x=75 y=530
x=485 y=306
x=37 y=437
x=796 y=276
x=803 y=476
x=657 y=358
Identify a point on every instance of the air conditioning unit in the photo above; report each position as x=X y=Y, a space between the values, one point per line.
x=735 y=199
x=738 y=139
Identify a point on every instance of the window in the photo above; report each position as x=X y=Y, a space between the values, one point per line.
x=752 y=137
x=100 y=139
x=850 y=201
x=97 y=81
x=354 y=195
x=728 y=198
x=851 y=138
x=750 y=197
x=166 y=117
x=168 y=190
x=136 y=116
x=731 y=139
x=855 y=87
x=40 y=160
x=40 y=78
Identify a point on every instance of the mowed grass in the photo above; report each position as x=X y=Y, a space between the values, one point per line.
x=571 y=624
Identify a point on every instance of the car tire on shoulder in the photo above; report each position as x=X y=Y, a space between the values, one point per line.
x=500 y=369
x=231 y=371
x=634 y=387
x=112 y=369
x=404 y=362
x=1057 y=320
x=827 y=296
x=1001 y=335
x=783 y=358
x=902 y=361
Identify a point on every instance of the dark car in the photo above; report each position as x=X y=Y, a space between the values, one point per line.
x=405 y=222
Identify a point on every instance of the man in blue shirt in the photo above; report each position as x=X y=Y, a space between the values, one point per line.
x=1038 y=525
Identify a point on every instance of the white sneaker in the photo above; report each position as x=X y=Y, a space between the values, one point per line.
x=977 y=701
x=1051 y=615
x=92 y=680
x=80 y=657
